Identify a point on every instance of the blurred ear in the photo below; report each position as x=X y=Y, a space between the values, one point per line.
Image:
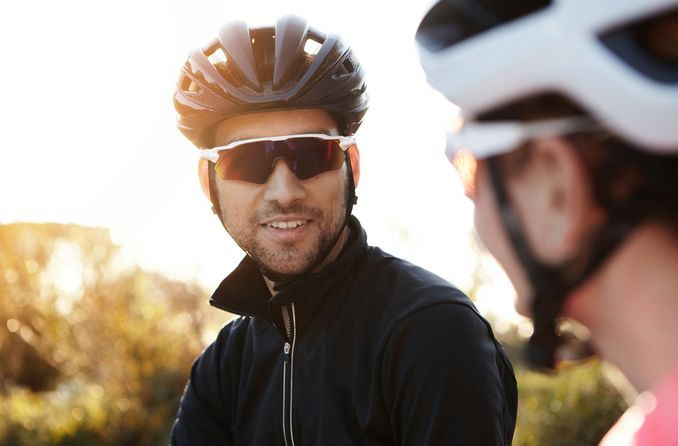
x=562 y=200
x=203 y=175
x=354 y=156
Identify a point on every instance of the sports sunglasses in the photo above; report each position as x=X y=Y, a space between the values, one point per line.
x=252 y=160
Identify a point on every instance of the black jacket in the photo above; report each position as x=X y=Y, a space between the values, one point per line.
x=370 y=351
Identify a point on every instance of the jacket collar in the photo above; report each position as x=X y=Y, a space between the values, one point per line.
x=245 y=293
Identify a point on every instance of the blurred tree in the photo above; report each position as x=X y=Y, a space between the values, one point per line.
x=576 y=405
x=93 y=351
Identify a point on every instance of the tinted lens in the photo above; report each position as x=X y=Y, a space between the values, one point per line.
x=244 y=163
x=306 y=157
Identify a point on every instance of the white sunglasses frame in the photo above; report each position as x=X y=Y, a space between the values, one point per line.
x=212 y=154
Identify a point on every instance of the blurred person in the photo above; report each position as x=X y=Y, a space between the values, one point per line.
x=569 y=150
x=337 y=342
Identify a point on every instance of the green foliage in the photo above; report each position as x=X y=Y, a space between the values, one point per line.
x=93 y=352
x=576 y=405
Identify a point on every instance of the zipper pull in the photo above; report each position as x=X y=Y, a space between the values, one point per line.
x=286 y=352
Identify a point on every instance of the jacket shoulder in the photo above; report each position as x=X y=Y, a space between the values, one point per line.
x=403 y=288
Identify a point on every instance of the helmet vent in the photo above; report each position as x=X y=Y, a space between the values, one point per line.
x=218 y=56
x=649 y=46
x=311 y=47
x=344 y=69
x=206 y=98
x=188 y=84
x=452 y=21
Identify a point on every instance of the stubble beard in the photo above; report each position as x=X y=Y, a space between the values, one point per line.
x=288 y=261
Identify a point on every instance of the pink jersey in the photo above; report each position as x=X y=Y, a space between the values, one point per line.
x=651 y=421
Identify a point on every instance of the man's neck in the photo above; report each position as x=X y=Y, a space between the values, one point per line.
x=331 y=257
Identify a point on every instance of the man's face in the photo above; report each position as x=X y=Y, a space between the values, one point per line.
x=286 y=225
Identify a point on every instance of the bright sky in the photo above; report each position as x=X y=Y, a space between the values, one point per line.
x=88 y=132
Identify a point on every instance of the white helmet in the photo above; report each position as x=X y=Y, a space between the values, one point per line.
x=490 y=53
x=494 y=57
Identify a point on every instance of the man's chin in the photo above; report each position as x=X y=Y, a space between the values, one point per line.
x=282 y=276
x=289 y=262
x=293 y=268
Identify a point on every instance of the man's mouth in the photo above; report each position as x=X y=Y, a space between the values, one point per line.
x=287 y=224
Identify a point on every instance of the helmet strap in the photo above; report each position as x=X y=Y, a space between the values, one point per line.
x=214 y=195
x=352 y=198
x=551 y=284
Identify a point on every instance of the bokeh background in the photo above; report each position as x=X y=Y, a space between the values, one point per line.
x=109 y=251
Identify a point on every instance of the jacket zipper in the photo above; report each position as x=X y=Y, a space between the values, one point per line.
x=288 y=373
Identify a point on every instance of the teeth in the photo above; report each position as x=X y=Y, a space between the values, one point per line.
x=287 y=224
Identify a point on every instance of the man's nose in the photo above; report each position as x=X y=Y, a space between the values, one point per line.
x=283 y=186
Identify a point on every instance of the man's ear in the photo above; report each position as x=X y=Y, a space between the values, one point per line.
x=354 y=157
x=567 y=206
x=203 y=174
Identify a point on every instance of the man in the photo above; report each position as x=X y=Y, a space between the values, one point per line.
x=338 y=342
x=570 y=152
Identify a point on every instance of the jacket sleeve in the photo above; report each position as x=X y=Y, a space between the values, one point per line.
x=443 y=381
x=204 y=412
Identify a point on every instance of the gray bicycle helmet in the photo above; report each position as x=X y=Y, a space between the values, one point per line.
x=286 y=66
